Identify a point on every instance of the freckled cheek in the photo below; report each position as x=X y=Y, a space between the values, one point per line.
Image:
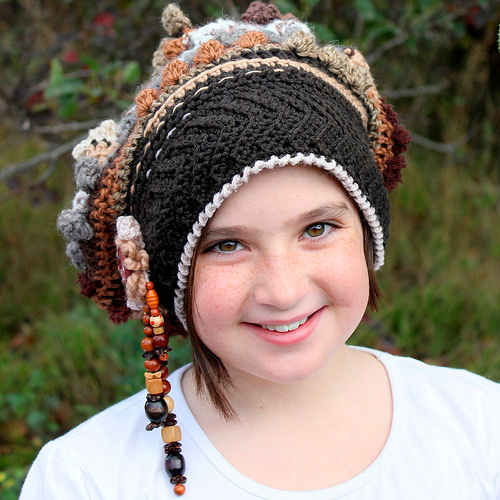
x=219 y=293
x=344 y=275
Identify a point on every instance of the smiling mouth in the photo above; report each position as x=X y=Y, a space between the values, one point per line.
x=285 y=328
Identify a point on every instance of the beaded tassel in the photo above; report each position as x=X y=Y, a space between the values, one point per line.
x=159 y=405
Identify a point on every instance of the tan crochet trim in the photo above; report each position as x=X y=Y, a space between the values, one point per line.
x=173 y=19
x=135 y=260
x=101 y=151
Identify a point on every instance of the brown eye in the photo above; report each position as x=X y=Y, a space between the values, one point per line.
x=228 y=246
x=316 y=230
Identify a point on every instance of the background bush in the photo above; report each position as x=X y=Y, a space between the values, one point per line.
x=68 y=64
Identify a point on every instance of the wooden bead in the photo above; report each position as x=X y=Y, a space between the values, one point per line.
x=175 y=464
x=171 y=434
x=155 y=312
x=156 y=321
x=154 y=386
x=147 y=344
x=160 y=340
x=166 y=387
x=148 y=331
x=159 y=330
x=152 y=365
x=156 y=411
x=146 y=309
x=164 y=372
x=149 y=285
x=146 y=318
x=170 y=403
x=179 y=489
x=152 y=298
x=163 y=356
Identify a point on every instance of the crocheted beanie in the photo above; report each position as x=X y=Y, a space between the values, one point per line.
x=225 y=101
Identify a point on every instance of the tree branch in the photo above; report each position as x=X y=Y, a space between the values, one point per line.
x=24 y=166
x=415 y=91
x=24 y=187
x=441 y=147
x=399 y=39
x=67 y=127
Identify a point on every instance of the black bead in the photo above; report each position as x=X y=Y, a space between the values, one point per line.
x=156 y=411
x=174 y=464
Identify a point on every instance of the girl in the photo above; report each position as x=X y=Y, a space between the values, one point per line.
x=243 y=202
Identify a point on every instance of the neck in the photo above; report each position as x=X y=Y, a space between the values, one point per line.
x=255 y=398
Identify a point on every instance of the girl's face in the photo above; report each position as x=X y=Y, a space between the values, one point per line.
x=281 y=280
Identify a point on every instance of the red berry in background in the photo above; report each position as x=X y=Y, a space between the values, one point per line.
x=105 y=22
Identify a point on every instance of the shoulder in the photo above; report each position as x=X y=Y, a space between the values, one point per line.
x=443 y=394
x=446 y=404
x=100 y=458
x=422 y=377
x=75 y=464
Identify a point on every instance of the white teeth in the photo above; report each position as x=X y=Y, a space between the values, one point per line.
x=284 y=328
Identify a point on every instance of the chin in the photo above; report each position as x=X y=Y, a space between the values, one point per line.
x=286 y=369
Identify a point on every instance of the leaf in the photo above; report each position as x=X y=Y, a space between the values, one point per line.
x=56 y=71
x=68 y=107
x=92 y=63
x=64 y=87
x=366 y=9
x=288 y=6
x=311 y=3
x=131 y=72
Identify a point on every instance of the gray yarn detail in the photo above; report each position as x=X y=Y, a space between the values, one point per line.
x=288 y=31
x=155 y=82
x=125 y=125
x=75 y=254
x=74 y=225
x=229 y=38
x=87 y=171
x=187 y=56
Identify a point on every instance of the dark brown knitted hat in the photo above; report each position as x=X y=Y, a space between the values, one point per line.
x=225 y=101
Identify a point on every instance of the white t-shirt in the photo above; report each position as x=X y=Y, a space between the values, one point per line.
x=444 y=444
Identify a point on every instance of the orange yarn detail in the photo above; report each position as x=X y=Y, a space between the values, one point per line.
x=172 y=72
x=109 y=292
x=383 y=143
x=144 y=100
x=383 y=153
x=208 y=51
x=172 y=48
x=251 y=38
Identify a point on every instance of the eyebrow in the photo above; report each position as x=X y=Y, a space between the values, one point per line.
x=334 y=211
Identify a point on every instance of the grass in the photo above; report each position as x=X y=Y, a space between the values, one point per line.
x=440 y=280
x=62 y=361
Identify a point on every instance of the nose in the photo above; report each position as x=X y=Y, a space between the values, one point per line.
x=280 y=281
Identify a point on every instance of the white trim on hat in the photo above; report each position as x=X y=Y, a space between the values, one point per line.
x=238 y=180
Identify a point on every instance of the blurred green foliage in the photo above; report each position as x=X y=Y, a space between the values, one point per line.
x=69 y=61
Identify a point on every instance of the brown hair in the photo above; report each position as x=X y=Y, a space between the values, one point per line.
x=210 y=375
